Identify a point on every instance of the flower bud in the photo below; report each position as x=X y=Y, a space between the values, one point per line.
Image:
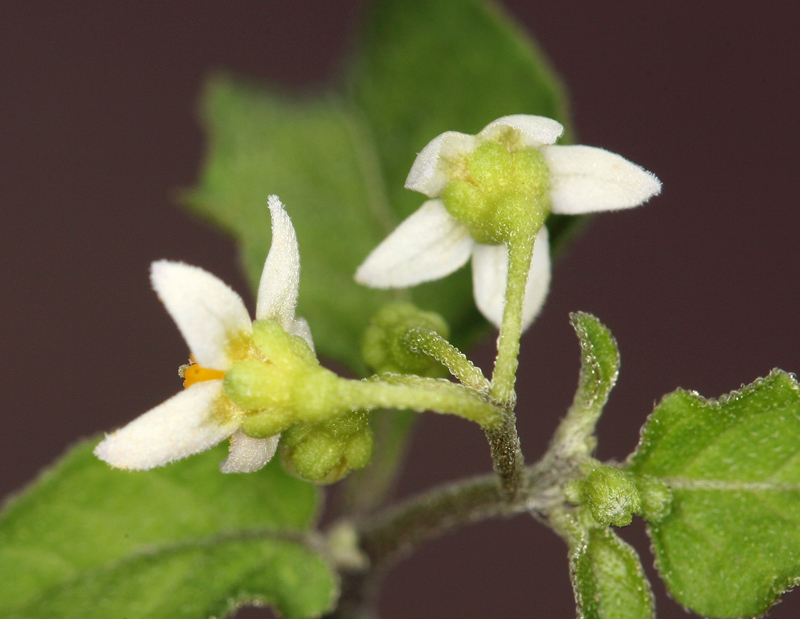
x=611 y=496
x=656 y=497
x=326 y=452
x=385 y=348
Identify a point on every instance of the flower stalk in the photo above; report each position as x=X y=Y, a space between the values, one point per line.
x=504 y=376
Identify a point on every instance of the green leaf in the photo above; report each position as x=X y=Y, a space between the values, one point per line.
x=449 y=65
x=83 y=526
x=599 y=371
x=731 y=544
x=608 y=579
x=310 y=153
x=599 y=364
x=199 y=580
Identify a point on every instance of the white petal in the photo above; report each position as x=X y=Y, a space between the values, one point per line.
x=300 y=327
x=489 y=268
x=207 y=312
x=280 y=280
x=489 y=272
x=538 y=279
x=584 y=179
x=177 y=428
x=535 y=130
x=248 y=455
x=428 y=245
x=427 y=175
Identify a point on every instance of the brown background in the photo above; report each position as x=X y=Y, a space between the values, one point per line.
x=699 y=286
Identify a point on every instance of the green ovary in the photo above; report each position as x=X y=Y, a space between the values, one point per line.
x=501 y=194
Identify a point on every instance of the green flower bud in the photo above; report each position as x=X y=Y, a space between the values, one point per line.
x=385 y=348
x=656 y=497
x=501 y=193
x=326 y=452
x=575 y=491
x=611 y=496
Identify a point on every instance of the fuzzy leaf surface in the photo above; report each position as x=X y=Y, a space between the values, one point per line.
x=85 y=537
x=608 y=579
x=599 y=371
x=731 y=544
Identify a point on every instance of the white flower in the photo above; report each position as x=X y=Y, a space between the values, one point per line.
x=431 y=243
x=216 y=326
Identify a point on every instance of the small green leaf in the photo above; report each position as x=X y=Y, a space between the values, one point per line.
x=731 y=545
x=599 y=371
x=599 y=364
x=83 y=522
x=608 y=579
x=426 y=67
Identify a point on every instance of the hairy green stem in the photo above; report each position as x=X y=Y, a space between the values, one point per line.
x=419 y=394
x=507 y=458
x=430 y=343
x=520 y=252
x=391 y=534
x=394 y=533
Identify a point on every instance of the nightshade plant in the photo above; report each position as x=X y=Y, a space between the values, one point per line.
x=185 y=540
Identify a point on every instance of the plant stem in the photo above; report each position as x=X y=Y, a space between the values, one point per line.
x=507 y=458
x=394 y=533
x=419 y=394
x=434 y=345
x=520 y=252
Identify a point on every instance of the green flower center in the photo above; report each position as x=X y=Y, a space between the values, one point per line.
x=500 y=191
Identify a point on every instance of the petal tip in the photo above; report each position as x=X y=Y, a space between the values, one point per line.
x=426 y=175
x=535 y=130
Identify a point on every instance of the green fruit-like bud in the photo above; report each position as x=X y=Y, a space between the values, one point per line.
x=575 y=491
x=326 y=452
x=611 y=496
x=656 y=497
x=385 y=348
x=502 y=193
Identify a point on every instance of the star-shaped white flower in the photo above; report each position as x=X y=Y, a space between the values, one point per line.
x=431 y=243
x=216 y=326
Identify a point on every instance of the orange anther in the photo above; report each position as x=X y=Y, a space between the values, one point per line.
x=197 y=374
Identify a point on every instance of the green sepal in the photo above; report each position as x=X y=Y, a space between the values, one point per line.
x=730 y=547
x=384 y=346
x=283 y=384
x=502 y=195
x=83 y=525
x=608 y=578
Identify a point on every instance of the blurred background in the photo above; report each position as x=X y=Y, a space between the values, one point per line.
x=99 y=133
